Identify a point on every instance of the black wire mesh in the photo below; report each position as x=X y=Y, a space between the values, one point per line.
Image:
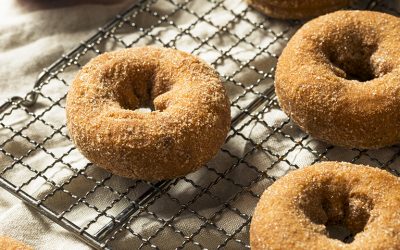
x=211 y=208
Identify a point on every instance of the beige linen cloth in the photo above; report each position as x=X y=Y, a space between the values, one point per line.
x=33 y=34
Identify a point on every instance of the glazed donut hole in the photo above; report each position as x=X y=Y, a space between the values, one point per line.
x=353 y=56
x=343 y=214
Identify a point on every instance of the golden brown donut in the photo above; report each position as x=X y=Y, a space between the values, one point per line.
x=338 y=79
x=7 y=243
x=293 y=212
x=297 y=9
x=189 y=123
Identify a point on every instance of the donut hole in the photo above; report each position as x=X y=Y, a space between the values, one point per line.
x=138 y=104
x=354 y=61
x=342 y=213
x=139 y=90
x=351 y=53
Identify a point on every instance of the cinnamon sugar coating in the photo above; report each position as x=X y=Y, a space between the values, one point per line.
x=7 y=243
x=297 y=9
x=338 y=79
x=190 y=121
x=293 y=212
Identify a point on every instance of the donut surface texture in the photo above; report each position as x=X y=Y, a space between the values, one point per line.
x=292 y=212
x=190 y=121
x=7 y=243
x=297 y=9
x=338 y=79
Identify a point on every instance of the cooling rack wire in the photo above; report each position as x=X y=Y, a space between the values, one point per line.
x=210 y=208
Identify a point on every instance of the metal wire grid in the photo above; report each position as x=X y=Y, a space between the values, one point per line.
x=211 y=208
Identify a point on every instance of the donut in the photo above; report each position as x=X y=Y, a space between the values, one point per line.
x=189 y=121
x=7 y=243
x=294 y=211
x=338 y=79
x=297 y=9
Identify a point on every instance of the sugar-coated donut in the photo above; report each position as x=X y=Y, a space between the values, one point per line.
x=7 y=243
x=293 y=212
x=338 y=79
x=189 y=123
x=297 y=9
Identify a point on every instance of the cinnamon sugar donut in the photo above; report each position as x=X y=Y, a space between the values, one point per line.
x=297 y=9
x=293 y=212
x=338 y=79
x=189 y=123
x=7 y=243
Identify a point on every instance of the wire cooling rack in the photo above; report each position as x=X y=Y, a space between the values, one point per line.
x=210 y=208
